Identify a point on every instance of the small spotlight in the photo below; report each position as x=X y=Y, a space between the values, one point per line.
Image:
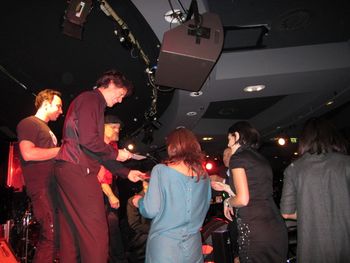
x=281 y=141
x=209 y=166
x=130 y=146
x=123 y=37
x=329 y=103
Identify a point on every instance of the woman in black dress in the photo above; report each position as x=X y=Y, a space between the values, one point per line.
x=262 y=231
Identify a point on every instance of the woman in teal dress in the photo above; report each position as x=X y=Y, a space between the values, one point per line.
x=177 y=201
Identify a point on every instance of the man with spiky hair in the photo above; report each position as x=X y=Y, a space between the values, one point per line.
x=38 y=148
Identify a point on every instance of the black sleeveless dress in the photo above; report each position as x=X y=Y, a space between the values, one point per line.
x=262 y=233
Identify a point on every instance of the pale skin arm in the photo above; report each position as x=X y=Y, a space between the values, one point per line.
x=113 y=200
x=241 y=198
x=241 y=185
x=219 y=186
x=30 y=152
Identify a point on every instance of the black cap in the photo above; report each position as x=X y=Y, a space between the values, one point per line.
x=113 y=119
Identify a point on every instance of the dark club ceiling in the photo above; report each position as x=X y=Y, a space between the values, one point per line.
x=299 y=50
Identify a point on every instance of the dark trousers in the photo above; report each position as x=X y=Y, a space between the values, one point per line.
x=43 y=211
x=116 y=247
x=82 y=216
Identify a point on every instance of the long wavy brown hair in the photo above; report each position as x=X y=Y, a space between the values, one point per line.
x=183 y=145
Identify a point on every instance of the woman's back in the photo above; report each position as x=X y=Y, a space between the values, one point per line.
x=177 y=205
x=184 y=204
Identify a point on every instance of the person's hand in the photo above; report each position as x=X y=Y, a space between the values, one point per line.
x=218 y=186
x=135 y=200
x=216 y=178
x=136 y=175
x=114 y=201
x=123 y=155
x=228 y=212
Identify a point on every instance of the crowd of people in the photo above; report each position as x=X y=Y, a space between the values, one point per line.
x=72 y=187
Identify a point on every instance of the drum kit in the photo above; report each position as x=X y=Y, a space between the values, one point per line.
x=23 y=229
x=24 y=234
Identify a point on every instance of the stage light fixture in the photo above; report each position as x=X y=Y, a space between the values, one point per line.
x=75 y=17
x=123 y=37
x=209 y=166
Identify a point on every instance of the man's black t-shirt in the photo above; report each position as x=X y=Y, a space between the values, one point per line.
x=36 y=173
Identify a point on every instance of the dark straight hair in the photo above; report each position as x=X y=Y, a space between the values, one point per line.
x=321 y=136
x=248 y=135
x=118 y=78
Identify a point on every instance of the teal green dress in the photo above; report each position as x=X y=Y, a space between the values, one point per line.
x=177 y=205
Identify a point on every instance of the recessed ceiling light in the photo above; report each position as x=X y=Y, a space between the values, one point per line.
x=196 y=94
x=207 y=138
x=328 y=103
x=254 y=88
x=191 y=113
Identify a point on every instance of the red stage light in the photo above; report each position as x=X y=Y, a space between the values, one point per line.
x=209 y=166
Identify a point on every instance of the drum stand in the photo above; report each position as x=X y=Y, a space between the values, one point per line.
x=24 y=250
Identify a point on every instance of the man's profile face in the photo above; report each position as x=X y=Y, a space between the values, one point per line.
x=54 y=108
x=115 y=94
x=112 y=131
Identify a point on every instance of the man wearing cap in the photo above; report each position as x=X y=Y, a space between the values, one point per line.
x=116 y=253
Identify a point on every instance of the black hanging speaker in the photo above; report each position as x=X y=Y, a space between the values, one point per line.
x=189 y=53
